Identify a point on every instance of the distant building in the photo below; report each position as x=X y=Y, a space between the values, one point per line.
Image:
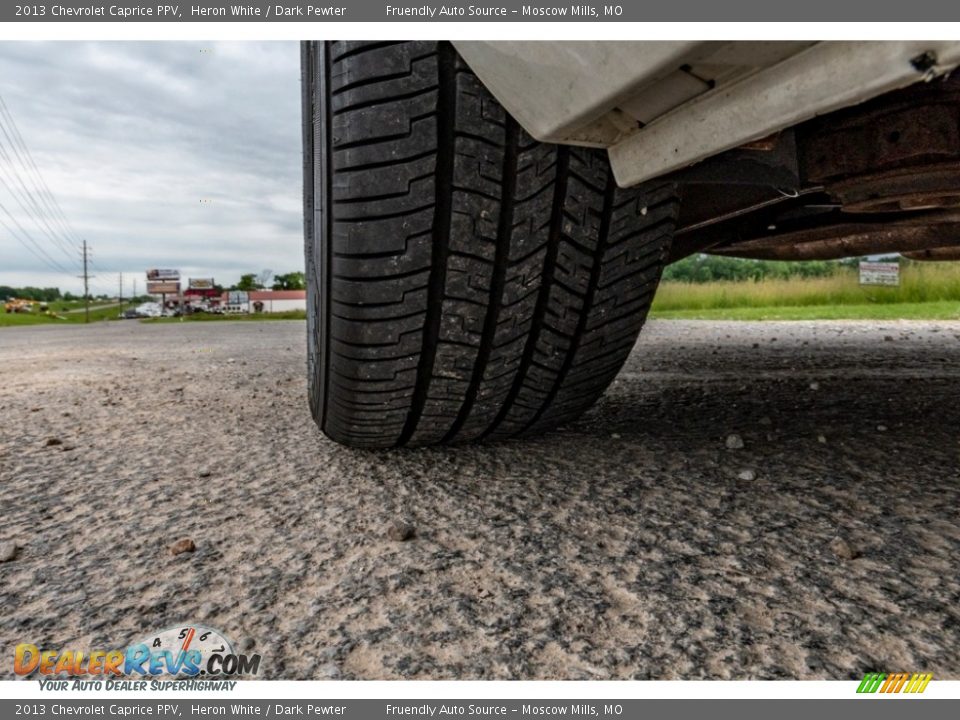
x=266 y=301
x=235 y=301
x=202 y=288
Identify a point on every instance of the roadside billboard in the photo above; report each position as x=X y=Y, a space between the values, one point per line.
x=163 y=274
x=202 y=287
x=163 y=287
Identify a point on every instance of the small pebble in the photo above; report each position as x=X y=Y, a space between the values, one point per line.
x=734 y=442
x=400 y=530
x=53 y=441
x=8 y=551
x=842 y=550
x=881 y=428
x=822 y=439
x=328 y=672
x=186 y=545
x=747 y=474
x=615 y=436
x=204 y=473
x=814 y=386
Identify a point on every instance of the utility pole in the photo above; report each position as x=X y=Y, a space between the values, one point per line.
x=121 y=293
x=86 y=283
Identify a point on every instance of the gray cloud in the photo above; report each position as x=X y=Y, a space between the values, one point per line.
x=132 y=137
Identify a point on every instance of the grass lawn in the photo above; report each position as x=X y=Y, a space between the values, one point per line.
x=112 y=312
x=72 y=317
x=944 y=310
x=927 y=291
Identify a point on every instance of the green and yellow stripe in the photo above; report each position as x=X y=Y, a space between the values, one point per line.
x=894 y=683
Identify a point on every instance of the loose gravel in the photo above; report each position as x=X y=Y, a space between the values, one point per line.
x=152 y=475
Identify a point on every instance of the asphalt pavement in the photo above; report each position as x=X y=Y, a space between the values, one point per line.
x=748 y=500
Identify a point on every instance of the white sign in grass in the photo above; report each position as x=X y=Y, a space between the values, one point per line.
x=879 y=273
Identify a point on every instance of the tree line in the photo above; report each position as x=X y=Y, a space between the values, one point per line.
x=266 y=279
x=713 y=268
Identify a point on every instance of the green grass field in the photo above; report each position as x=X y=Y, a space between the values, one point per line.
x=927 y=291
x=74 y=315
x=65 y=314
x=945 y=310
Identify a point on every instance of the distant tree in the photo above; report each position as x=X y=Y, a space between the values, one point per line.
x=290 y=281
x=709 y=268
x=31 y=293
x=248 y=282
x=263 y=279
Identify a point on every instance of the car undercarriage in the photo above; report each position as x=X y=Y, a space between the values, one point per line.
x=880 y=177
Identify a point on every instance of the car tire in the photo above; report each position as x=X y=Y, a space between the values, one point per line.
x=464 y=280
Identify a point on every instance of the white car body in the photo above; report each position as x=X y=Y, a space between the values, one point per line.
x=661 y=106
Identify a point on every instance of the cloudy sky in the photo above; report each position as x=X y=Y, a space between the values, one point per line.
x=161 y=154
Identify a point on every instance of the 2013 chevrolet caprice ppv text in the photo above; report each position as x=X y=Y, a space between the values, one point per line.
x=486 y=222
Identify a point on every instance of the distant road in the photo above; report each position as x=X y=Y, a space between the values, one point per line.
x=93 y=307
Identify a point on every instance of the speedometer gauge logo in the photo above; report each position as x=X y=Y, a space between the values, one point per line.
x=188 y=650
x=181 y=640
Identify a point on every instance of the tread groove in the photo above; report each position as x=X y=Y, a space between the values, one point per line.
x=595 y=273
x=446 y=124
x=501 y=260
x=543 y=298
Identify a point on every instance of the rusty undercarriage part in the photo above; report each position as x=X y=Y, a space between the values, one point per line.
x=927 y=188
x=880 y=177
x=898 y=152
x=832 y=242
x=934 y=254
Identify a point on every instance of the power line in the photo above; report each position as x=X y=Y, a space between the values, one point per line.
x=38 y=203
x=86 y=254
x=27 y=200
x=32 y=214
x=46 y=194
x=39 y=252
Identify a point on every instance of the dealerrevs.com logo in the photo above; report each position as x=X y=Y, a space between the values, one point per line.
x=189 y=651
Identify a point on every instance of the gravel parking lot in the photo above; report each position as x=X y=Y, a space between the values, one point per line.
x=749 y=501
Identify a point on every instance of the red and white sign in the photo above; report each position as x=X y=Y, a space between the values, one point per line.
x=879 y=273
x=163 y=288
